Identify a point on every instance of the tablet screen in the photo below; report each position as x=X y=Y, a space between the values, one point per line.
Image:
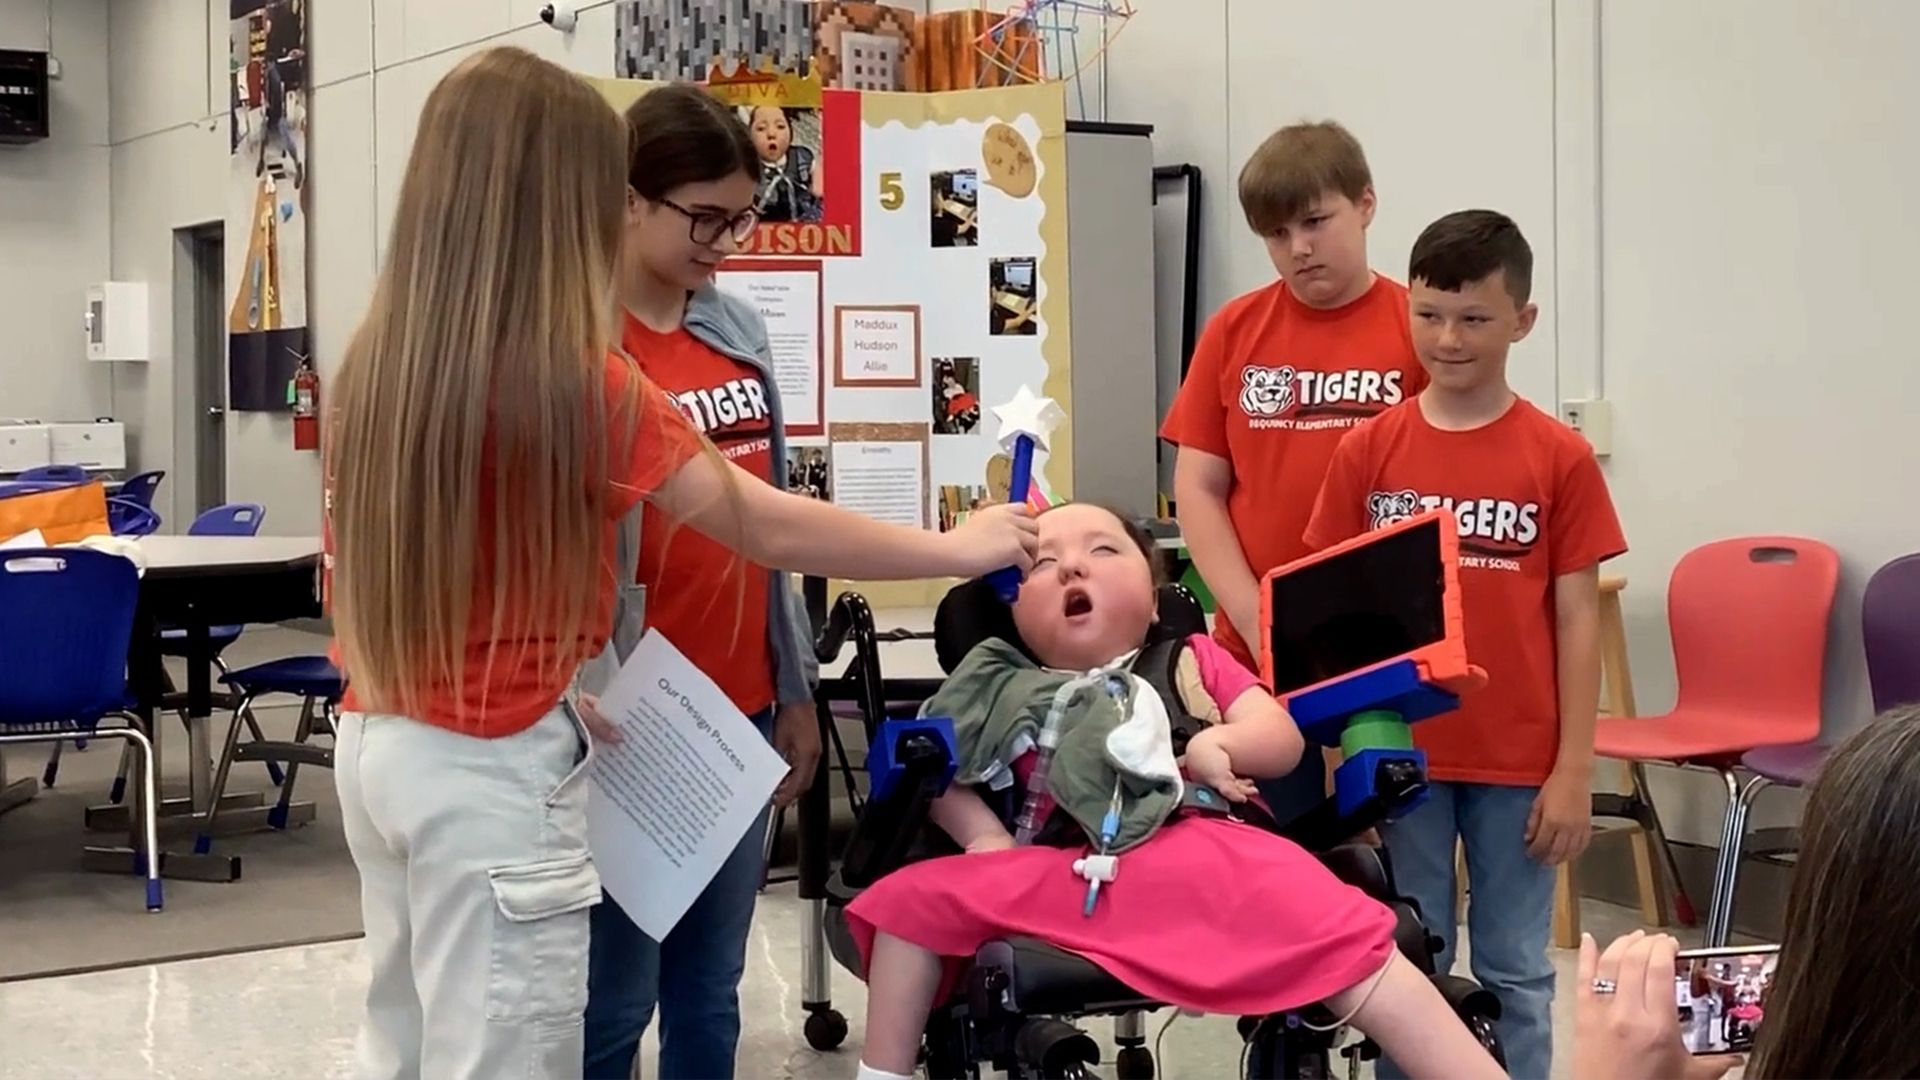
x=1363 y=606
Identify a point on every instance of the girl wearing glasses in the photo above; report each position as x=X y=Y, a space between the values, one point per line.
x=691 y=204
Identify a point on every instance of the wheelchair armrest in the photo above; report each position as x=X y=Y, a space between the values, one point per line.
x=1397 y=784
x=895 y=816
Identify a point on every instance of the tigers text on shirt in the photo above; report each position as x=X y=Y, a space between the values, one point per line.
x=1530 y=505
x=710 y=602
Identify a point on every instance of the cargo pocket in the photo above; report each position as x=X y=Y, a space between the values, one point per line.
x=538 y=966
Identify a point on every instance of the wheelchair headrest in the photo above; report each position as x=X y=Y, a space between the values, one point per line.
x=972 y=612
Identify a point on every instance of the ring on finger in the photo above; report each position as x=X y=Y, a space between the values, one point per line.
x=1605 y=986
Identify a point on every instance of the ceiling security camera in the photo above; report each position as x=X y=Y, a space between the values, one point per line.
x=562 y=15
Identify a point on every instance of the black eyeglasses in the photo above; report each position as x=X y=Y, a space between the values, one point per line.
x=705 y=227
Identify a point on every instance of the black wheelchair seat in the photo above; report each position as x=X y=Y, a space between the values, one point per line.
x=1033 y=978
x=1020 y=989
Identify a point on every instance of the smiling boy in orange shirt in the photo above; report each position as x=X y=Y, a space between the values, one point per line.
x=1512 y=767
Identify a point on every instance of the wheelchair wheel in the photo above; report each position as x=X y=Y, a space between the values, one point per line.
x=1488 y=1038
x=1133 y=1063
x=826 y=1029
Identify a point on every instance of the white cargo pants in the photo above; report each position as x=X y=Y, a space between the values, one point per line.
x=475 y=885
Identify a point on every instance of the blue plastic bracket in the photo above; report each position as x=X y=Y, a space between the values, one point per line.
x=884 y=767
x=1322 y=712
x=1353 y=780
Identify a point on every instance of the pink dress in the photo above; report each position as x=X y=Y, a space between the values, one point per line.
x=1209 y=914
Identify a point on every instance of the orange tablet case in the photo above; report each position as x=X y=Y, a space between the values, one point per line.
x=1442 y=663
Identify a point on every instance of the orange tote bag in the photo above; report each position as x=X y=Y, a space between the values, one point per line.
x=62 y=514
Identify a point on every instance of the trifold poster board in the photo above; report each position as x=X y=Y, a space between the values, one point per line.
x=911 y=265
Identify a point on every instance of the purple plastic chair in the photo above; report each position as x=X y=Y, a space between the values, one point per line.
x=1890 y=632
x=58 y=474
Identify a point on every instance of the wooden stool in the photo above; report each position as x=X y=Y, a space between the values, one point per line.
x=1618 y=682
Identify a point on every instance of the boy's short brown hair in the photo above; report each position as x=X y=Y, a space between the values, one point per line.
x=1294 y=167
x=1468 y=246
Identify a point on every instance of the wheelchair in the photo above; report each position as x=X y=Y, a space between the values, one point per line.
x=1022 y=997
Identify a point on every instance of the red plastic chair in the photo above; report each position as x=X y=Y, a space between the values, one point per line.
x=1749 y=622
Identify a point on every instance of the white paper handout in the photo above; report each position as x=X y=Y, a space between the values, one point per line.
x=671 y=801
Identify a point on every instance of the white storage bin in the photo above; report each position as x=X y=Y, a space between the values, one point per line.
x=98 y=445
x=24 y=446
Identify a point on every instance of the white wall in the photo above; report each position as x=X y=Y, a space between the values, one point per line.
x=374 y=62
x=53 y=220
x=1760 y=235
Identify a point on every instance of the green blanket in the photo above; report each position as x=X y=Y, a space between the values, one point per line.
x=998 y=700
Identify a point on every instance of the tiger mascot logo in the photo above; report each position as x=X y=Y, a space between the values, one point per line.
x=1391 y=507
x=1266 y=391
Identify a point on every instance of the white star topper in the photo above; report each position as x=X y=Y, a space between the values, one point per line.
x=1028 y=414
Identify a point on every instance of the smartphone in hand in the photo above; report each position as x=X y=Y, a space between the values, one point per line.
x=1721 y=995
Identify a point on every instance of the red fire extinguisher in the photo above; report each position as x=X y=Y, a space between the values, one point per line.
x=305 y=393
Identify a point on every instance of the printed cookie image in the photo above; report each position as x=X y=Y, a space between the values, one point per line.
x=1009 y=161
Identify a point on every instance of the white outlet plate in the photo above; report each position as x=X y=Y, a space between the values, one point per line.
x=1593 y=418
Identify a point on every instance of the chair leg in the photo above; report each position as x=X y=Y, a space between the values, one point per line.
x=1729 y=884
x=53 y=766
x=150 y=825
x=1683 y=908
x=273 y=767
x=1716 y=934
x=277 y=817
x=203 y=843
x=147 y=861
x=1566 y=908
x=119 y=791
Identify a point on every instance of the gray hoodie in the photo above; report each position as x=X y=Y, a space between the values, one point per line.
x=732 y=328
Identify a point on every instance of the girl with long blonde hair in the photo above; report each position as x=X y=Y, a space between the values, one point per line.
x=485 y=444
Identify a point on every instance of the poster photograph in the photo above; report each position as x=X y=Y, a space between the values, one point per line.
x=808 y=472
x=955 y=203
x=956 y=396
x=809 y=144
x=266 y=202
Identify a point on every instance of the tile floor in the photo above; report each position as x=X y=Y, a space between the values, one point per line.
x=291 y=1013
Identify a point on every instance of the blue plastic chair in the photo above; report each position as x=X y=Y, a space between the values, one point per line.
x=231 y=519
x=321 y=686
x=66 y=619
x=228 y=519
x=141 y=487
x=128 y=518
x=57 y=474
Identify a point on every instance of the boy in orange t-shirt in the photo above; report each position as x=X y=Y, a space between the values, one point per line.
x=1511 y=768
x=1277 y=377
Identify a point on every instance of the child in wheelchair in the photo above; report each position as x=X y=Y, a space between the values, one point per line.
x=1204 y=911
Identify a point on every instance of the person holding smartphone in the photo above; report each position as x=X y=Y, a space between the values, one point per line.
x=1842 y=998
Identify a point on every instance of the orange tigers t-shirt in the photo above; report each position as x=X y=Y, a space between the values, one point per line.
x=1272 y=386
x=707 y=600
x=508 y=687
x=1530 y=505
